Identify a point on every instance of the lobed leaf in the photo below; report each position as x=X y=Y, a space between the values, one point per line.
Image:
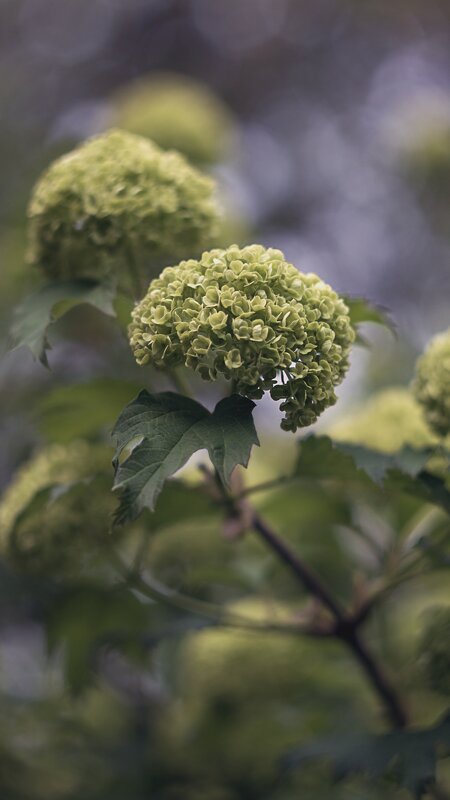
x=362 y=311
x=83 y=409
x=170 y=428
x=411 y=755
x=39 y=311
x=323 y=459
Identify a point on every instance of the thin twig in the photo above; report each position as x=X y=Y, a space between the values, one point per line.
x=344 y=628
x=274 y=483
x=153 y=589
x=181 y=385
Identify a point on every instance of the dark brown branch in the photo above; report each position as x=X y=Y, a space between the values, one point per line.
x=309 y=580
x=344 y=629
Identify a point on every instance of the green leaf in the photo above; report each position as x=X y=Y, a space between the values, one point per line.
x=83 y=409
x=322 y=459
x=39 y=311
x=180 y=503
x=411 y=755
x=377 y=466
x=426 y=486
x=123 y=307
x=86 y=618
x=170 y=428
x=362 y=311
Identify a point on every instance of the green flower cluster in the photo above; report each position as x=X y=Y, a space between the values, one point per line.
x=432 y=383
x=435 y=650
x=116 y=204
x=388 y=421
x=47 y=536
x=177 y=113
x=243 y=698
x=251 y=317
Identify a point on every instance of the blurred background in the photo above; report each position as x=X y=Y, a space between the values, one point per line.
x=335 y=120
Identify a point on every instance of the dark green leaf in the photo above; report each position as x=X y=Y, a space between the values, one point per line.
x=179 y=503
x=88 y=617
x=83 y=409
x=170 y=428
x=362 y=311
x=323 y=459
x=425 y=485
x=410 y=755
x=407 y=461
x=34 y=317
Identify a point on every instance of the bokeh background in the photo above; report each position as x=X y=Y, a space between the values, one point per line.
x=340 y=156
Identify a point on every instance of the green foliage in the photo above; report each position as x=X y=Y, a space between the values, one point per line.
x=50 y=518
x=362 y=311
x=185 y=615
x=114 y=615
x=243 y=698
x=115 y=205
x=38 y=312
x=177 y=113
x=171 y=429
x=411 y=755
x=434 y=649
x=81 y=410
x=321 y=458
x=432 y=383
x=249 y=315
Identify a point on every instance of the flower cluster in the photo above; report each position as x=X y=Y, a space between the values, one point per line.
x=177 y=113
x=116 y=204
x=241 y=683
x=48 y=535
x=388 y=421
x=432 y=383
x=435 y=649
x=251 y=317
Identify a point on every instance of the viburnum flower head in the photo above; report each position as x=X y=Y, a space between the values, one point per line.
x=387 y=421
x=177 y=113
x=50 y=537
x=116 y=204
x=249 y=316
x=432 y=383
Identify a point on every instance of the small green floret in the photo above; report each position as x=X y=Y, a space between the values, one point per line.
x=251 y=317
x=177 y=113
x=117 y=205
x=432 y=383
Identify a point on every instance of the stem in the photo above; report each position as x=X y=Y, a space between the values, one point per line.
x=379 y=680
x=180 y=383
x=156 y=591
x=300 y=570
x=273 y=483
x=137 y=279
x=344 y=629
